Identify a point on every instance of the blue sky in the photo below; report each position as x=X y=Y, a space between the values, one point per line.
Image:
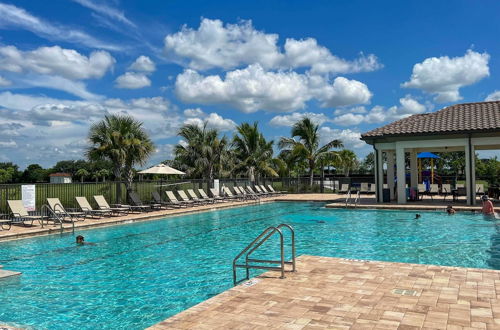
x=350 y=65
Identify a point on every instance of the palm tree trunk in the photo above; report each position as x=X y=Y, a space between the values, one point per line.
x=311 y=172
x=251 y=172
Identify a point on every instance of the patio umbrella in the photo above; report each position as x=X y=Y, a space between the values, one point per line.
x=432 y=157
x=162 y=169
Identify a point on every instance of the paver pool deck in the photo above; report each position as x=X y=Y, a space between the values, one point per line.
x=339 y=293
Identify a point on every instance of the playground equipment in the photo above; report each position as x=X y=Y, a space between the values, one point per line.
x=428 y=155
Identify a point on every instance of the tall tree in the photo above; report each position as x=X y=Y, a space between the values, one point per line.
x=252 y=152
x=123 y=141
x=82 y=173
x=202 y=153
x=347 y=161
x=307 y=145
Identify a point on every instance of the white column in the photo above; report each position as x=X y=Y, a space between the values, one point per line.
x=473 y=179
x=390 y=172
x=380 y=175
x=469 y=160
x=413 y=168
x=401 y=172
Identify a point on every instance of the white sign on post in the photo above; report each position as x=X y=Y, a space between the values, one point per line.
x=28 y=197
x=216 y=185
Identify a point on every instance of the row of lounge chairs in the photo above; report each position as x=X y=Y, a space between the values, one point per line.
x=55 y=211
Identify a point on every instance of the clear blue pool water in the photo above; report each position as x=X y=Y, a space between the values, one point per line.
x=139 y=274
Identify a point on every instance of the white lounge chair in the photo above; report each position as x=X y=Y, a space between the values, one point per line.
x=21 y=215
x=445 y=190
x=205 y=197
x=186 y=199
x=102 y=203
x=229 y=195
x=364 y=189
x=479 y=189
x=175 y=201
x=261 y=192
x=85 y=206
x=195 y=198
x=344 y=188
x=56 y=206
x=269 y=192
x=217 y=196
x=270 y=188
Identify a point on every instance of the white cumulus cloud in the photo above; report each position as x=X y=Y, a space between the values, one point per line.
x=213 y=120
x=215 y=45
x=229 y=46
x=444 y=76
x=350 y=138
x=253 y=88
x=408 y=106
x=143 y=64
x=248 y=90
x=289 y=120
x=197 y=112
x=67 y=63
x=348 y=119
x=132 y=80
x=307 y=53
x=495 y=96
x=344 y=92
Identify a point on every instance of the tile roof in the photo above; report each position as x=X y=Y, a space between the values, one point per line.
x=458 y=118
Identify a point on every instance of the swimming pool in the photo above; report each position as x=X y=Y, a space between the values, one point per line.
x=139 y=274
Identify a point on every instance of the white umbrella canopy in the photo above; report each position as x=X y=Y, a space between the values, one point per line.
x=161 y=169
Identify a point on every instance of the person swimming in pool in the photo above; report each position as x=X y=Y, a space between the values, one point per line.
x=80 y=240
x=450 y=210
x=417 y=216
x=488 y=208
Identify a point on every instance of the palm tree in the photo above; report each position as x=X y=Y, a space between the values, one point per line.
x=347 y=161
x=202 y=153
x=121 y=140
x=307 y=146
x=252 y=152
x=82 y=173
x=103 y=173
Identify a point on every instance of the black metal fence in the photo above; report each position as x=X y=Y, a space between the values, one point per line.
x=115 y=192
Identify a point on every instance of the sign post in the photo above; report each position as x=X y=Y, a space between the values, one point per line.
x=28 y=196
x=216 y=186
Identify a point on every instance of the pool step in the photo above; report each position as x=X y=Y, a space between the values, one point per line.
x=7 y=273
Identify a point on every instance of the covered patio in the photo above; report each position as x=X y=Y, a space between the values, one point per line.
x=466 y=127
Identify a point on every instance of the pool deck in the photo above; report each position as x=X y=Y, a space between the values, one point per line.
x=369 y=202
x=332 y=200
x=339 y=293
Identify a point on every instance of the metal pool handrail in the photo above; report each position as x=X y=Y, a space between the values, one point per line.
x=256 y=243
x=49 y=210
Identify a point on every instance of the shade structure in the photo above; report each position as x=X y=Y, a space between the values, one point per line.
x=427 y=155
x=162 y=169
